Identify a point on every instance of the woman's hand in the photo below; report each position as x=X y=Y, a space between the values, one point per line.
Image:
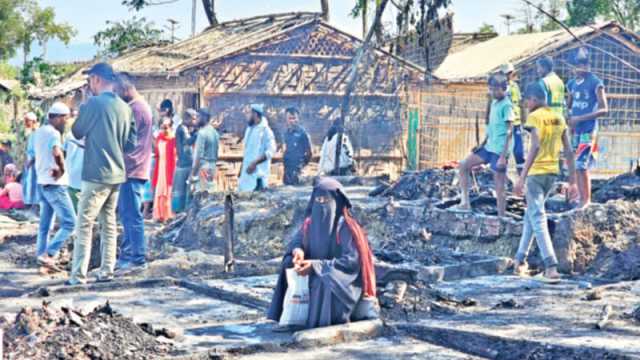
x=303 y=268
x=298 y=256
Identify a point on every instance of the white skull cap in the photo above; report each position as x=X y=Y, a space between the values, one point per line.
x=59 y=108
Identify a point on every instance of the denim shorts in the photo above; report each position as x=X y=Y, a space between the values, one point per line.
x=490 y=158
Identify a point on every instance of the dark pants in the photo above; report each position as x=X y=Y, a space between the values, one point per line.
x=292 y=174
x=518 y=147
x=133 y=247
x=345 y=171
x=260 y=185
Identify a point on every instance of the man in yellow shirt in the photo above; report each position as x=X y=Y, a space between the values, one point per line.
x=549 y=136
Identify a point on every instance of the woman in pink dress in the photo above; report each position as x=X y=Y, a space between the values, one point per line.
x=165 y=165
x=11 y=195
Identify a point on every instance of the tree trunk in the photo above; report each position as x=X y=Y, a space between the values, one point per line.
x=365 y=11
x=210 y=11
x=324 y=5
x=353 y=78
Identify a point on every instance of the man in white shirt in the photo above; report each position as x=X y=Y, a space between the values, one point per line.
x=52 y=184
x=259 y=147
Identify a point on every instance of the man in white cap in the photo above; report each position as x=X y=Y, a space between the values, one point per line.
x=259 y=146
x=52 y=185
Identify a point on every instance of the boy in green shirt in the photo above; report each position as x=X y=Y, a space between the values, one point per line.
x=495 y=148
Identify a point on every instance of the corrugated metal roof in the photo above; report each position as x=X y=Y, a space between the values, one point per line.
x=478 y=61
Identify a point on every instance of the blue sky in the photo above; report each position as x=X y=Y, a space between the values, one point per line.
x=89 y=16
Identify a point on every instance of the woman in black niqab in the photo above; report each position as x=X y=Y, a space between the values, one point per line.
x=336 y=256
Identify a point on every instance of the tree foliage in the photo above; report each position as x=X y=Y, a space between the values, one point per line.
x=39 y=73
x=11 y=23
x=208 y=5
x=625 y=12
x=39 y=24
x=487 y=29
x=121 y=36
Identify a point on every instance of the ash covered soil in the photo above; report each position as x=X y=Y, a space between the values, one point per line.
x=607 y=249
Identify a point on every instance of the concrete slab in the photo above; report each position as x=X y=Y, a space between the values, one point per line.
x=332 y=335
x=377 y=349
x=548 y=314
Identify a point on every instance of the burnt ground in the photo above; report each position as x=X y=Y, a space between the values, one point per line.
x=437 y=302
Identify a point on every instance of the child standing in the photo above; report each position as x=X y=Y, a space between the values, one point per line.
x=549 y=135
x=163 y=172
x=587 y=101
x=495 y=148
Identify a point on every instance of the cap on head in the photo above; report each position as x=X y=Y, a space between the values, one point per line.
x=259 y=108
x=581 y=57
x=59 y=108
x=104 y=71
x=546 y=62
x=507 y=68
x=192 y=112
x=204 y=113
x=499 y=81
x=31 y=116
x=536 y=91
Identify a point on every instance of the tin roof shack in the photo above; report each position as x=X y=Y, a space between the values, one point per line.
x=294 y=59
x=456 y=106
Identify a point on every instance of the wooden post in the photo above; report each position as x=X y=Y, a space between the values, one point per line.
x=229 y=233
x=353 y=78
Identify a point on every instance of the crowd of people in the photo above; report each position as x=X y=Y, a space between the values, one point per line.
x=111 y=160
x=562 y=120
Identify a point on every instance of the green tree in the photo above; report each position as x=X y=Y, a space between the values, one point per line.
x=11 y=24
x=626 y=12
x=487 y=29
x=119 y=37
x=584 y=12
x=39 y=24
x=39 y=73
x=208 y=5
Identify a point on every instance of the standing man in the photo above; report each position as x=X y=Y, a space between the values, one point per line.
x=52 y=185
x=552 y=84
x=587 y=102
x=185 y=138
x=259 y=147
x=206 y=154
x=105 y=122
x=5 y=154
x=514 y=95
x=297 y=153
x=549 y=135
x=133 y=248
x=74 y=156
x=29 y=181
x=495 y=148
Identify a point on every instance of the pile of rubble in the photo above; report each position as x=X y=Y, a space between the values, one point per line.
x=435 y=184
x=48 y=333
x=625 y=187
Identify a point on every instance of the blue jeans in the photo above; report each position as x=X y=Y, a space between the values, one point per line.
x=535 y=220
x=54 y=199
x=133 y=247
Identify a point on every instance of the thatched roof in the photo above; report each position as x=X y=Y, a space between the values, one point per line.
x=8 y=84
x=478 y=61
x=226 y=39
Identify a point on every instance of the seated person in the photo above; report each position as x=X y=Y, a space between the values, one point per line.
x=334 y=251
x=11 y=194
